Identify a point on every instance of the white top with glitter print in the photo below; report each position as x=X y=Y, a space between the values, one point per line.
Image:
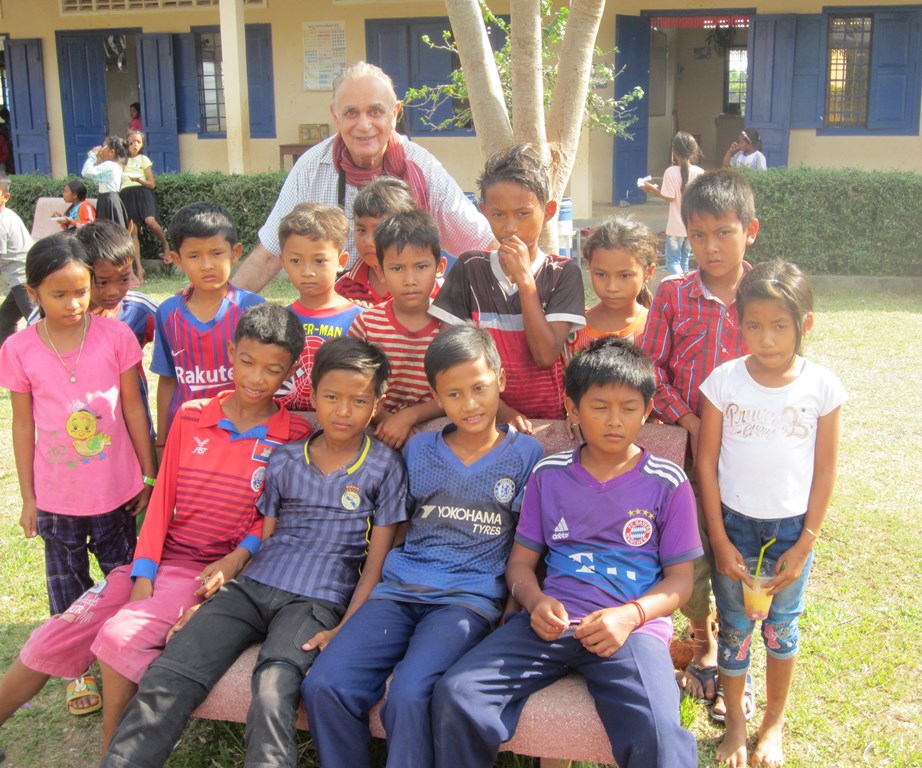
x=767 y=445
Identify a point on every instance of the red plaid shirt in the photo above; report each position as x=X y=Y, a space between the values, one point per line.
x=689 y=333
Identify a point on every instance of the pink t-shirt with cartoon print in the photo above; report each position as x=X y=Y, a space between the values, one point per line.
x=85 y=462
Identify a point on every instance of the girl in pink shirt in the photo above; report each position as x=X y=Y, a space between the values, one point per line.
x=80 y=433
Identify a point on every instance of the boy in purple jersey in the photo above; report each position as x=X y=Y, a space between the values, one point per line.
x=442 y=589
x=313 y=237
x=332 y=506
x=193 y=328
x=616 y=529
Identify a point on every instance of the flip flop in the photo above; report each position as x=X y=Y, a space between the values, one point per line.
x=749 y=701
x=703 y=675
x=83 y=688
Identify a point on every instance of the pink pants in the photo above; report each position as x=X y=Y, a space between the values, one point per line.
x=103 y=624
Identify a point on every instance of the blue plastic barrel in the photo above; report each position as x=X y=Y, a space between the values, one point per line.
x=565 y=228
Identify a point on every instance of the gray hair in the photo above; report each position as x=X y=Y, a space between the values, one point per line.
x=363 y=69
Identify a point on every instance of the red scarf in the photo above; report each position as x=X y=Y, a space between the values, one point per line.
x=395 y=163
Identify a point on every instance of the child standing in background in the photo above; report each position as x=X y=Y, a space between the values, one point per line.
x=79 y=210
x=410 y=259
x=685 y=154
x=770 y=409
x=134 y=111
x=193 y=328
x=80 y=435
x=137 y=192
x=621 y=254
x=380 y=198
x=15 y=242
x=312 y=238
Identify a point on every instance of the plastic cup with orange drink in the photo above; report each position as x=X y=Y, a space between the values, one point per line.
x=756 y=600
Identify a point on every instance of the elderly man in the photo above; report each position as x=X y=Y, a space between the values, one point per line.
x=366 y=145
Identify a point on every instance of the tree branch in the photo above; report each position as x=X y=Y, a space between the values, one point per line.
x=488 y=106
x=527 y=74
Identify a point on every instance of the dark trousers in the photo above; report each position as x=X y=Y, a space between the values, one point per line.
x=478 y=702
x=416 y=641
x=68 y=541
x=243 y=612
x=17 y=304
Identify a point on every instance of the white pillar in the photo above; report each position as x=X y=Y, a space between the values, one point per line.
x=236 y=93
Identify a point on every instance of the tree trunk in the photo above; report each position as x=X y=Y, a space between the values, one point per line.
x=485 y=92
x=527 y=75
x=568 y=103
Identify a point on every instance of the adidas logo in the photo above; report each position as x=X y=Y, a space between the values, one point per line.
x=561 y=531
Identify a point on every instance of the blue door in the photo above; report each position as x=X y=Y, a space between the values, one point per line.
x=31 y=152
x=770 y=81
x=632 y=37
x=158 y=101
x=82 y=71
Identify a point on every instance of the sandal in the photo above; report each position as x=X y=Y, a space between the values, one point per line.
x=83 y=688
x=749 y=701
x=703 y=675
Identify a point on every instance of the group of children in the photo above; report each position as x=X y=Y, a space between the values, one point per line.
x=362 y=562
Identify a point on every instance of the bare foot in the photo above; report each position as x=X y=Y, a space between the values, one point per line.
x=732 y=749
x=769 y=752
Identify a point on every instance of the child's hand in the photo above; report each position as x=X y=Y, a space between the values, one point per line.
x=729 y=562
x=183 y=620
x=143 y=588
x=507 y=415
x=604 y=632
x=214 y=575
x=573 y=429
x=321 y=640
x=28 y=519
x=549 y=618
x=395 y=428
x=650 y=187
x=515 y=259
x=139 y=503
x=788 y=568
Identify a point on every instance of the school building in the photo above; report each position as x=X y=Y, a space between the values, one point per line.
x=825 y=85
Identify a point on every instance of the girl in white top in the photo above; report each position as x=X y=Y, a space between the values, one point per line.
x=104 y=165
x=746 y=152
x=685 y=153
x=766 y=466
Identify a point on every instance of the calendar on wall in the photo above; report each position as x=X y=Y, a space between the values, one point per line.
x=324 y=53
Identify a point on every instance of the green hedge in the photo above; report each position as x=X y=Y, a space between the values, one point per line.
x=845 y=222
x=250 y=198
x=840 y=222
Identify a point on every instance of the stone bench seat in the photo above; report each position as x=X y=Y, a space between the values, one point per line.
x=559 y=722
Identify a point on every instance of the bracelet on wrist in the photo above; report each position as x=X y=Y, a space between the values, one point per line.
x=151 y=481
x=642 y=613
x=813 y=533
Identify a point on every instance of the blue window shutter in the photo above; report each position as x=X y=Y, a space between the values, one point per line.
x=386 y=46
x=188 y=111
x=31 y=150
x=429 y=66
x=893 y=100
x=808 y=92
x=259 y=76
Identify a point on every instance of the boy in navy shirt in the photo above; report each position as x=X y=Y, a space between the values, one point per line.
x=327 y=502
x=616 y=529
x=442 y=590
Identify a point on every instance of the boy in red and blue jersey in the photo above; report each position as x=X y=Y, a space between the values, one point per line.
x=193 y=328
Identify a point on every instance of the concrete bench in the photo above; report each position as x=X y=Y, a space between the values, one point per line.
x=559 y=723
x=46 y=207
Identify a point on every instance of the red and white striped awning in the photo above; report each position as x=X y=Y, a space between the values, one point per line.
x=699 y=22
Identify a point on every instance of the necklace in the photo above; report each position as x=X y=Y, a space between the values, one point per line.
x=71 y=371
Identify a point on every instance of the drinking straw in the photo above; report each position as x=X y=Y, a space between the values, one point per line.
x=761 y=555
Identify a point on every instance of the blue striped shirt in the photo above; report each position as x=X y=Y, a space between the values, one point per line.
x=325 y=521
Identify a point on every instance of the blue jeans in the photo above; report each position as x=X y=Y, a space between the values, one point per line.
x=780 y=631
x=677 y=253
x=477 y=704
x=415 y=641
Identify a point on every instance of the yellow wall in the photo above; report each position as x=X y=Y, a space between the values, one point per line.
x=39 y=18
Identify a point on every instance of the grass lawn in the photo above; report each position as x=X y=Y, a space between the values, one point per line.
x=856 y=692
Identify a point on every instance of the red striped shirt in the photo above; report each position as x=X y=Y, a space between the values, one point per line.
x=404 y=348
